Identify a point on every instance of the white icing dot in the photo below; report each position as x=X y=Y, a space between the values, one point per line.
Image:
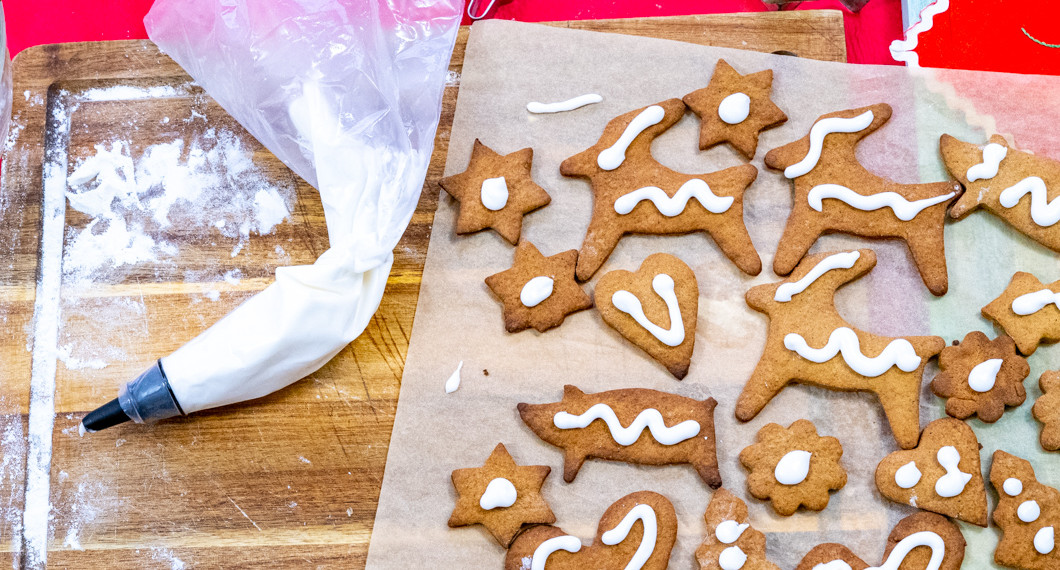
x=984 y=375
x=494 y=193
x=907 y=475
x=735 y=108
x=1012 y=486
x=536 y=290
x=1028 y=511
x=732 y=558
x=728 y=532
x=1044 y=540
x=793 y=467
x=499 y=493
x=953 y=482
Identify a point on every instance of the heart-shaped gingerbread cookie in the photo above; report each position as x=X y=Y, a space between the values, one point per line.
x=942 y=474
x=638 y=531
x=921 y=540
x=655 y=308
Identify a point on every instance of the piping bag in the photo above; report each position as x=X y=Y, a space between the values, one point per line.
x=347 y=93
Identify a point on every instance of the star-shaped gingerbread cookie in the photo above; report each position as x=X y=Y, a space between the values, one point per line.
x=495 y=191
x=501 y=495
x=735 y=108
x=538 y=291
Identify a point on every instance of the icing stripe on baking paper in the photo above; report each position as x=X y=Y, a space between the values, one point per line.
x=953 y=482
x=907 y=544
x=993 y=154
x=646 y=515
x=903 y=209
x=545 y=549
x=1043 y=212
x=821 y=129
x=899 y=352
x=1031 y=303
x=843 y=260
x=561 y=106
x=651 y=419
x=663 y=285
x=613 y=156
x=670 y=207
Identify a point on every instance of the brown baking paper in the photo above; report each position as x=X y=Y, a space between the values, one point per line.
x=509 y=64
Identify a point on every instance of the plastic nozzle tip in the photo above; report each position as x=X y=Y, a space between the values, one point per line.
x=103 y=417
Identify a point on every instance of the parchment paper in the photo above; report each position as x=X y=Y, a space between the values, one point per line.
x=509 y=64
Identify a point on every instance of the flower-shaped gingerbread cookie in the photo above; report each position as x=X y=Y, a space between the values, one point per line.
x=501 y=495
x=495 y=191
x=538 y=291
x=981 y=377
x=1028 y=514
x=1047 y=409
x=793 y=467
x=942 y=474
x=731 y=542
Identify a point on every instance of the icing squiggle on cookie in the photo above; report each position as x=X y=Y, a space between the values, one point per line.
x=1033 y=302
x=1043 y=212
x=670 y=207
x=993 y=154
x=821 y=129
x=663 y=285
x=953 y=482
x=568 y=105
x=646 y=515
x=613 y=156
x=907 y=544
x=843 y=260
x=899 y=352
x=545 y=549
x=650 y=419
x=903 y=209
x=905 y=50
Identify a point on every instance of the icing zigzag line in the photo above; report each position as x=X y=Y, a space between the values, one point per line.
x=899 y=352
x=905 y=50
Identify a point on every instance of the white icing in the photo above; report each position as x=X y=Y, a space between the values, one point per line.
x=793 y=467
x=984 y=375
x=1044 y=540
x=907 y=475
x=903 y=209
x=454 y=379
x=728 y=532
x=1028 y=511
x=952 y=483
x=899 y=352
x=820 y=130
x=734 y=108
x=536 y=290
x=833 y=565
x=1033 y=302
x=545 y=549
x=1012 y=487
x=568 y=105
x=494 y=193
x=732 y=558
x=499 y=493
x=993 y=154
x=905 y=50
x=670 y=207
x=613 y=156
x=646 y=515
x=902 y=549
x=1043 y=212
x=843 y=260
x=650 y=418
x=663 y=285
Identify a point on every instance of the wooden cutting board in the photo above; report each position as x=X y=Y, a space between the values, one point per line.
x=291 y=479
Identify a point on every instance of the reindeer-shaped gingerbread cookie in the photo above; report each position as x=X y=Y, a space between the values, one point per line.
x=633 y=193
x=835 y=193
x=809 y=342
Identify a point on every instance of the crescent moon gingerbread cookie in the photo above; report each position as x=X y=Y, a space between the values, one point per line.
x=731 y=541
x=835 y=193
x=1028 y=514
x=981 y=377
x=808 y=341
x=634 y=193
x=1028 y=310
x=922 y=541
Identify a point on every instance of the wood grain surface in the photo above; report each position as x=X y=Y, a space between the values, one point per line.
x=291 y=479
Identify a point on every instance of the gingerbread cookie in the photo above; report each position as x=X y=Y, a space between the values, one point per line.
x=920 y=541
x=1028 y=311
x=793 y=467
x=637 y=531
x=1012 y=184
x=633 y=425
x=942 y=474
x=655 y=307
x=735 y=108
x=981 y=377
x=495 y=191
x=538 y=291
x=835 y=193
x=1028 y=514
x=1047 y=409
x=809 y=342
x=633 y=193
x=731 y=542
x=501 y=495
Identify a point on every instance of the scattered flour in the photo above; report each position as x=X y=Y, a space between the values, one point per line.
x=167 y=555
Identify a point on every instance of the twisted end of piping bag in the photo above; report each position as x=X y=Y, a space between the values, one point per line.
x=148 y=398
